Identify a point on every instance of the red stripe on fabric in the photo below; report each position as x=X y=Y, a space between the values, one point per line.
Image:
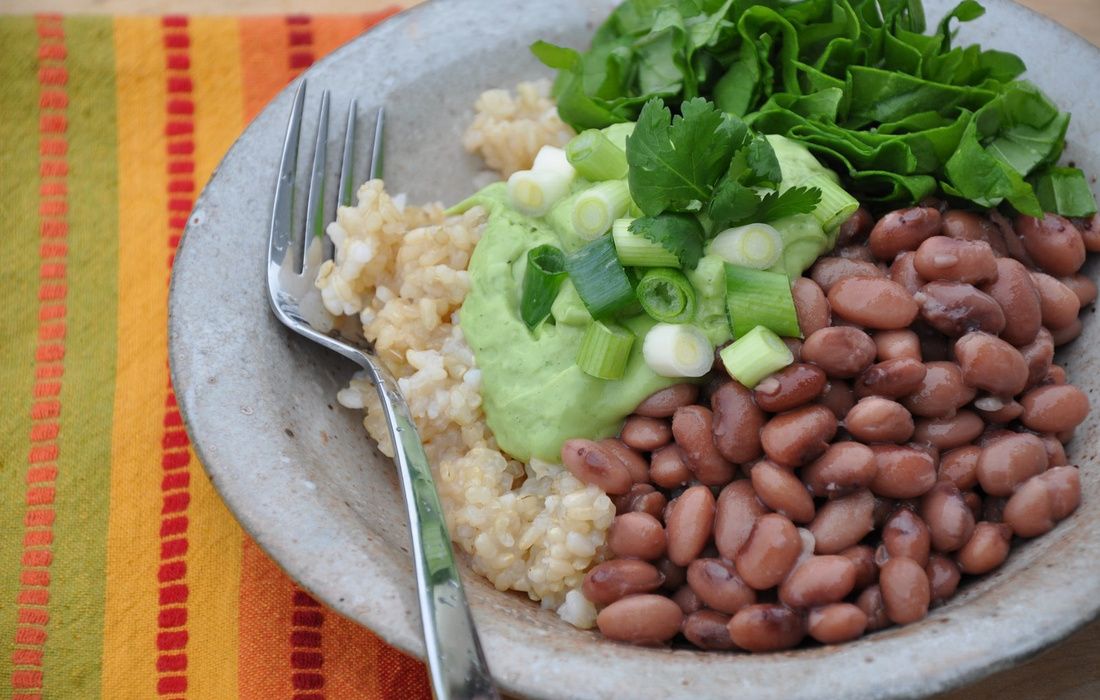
x=175 y=438
x=166 y=685
x=26 y=657
x=56 y=52
x=44 y=389
x=52 y=271
x=301 y=59
x=298 y=19
x=181 y=186
x=172 y=617
x=177 y=223
x=180 y=167
x=53 y=189
x=179 y=84
x=38 y=538
x=172 y=662
x=26 y=679
x=175 y=460
x=45 y=409
x=173 y=594
x=170 y=549
x=306 y=659
x=176 y=41
x=33 y=616
x=305 y=639
x=39 y=475
x=178 y=61
x=51 y=207
x=307 y=618
x=174 y=20
x=44 y=431
x=40 y=517
x=52 y=147
x=308 y=696
x=173 y=526
x=52 y=250
x=52 y=292
x=180 y=106
x=53 y=168
x=303 y=599
x=40 y=496
x=307 y=681
x=50 y=312
x=172 y=571
x=33 y=596
x=53 y=123
x=183 y=205
x=27 y=696
x=171 y=641
x=37 y=557
x=53 y=99
x=54 y=229
x=31 y=636
x=53 y=76
x=178 y=480
x=43 y=453
x=176 y=502
x=172 y=419
x=300 y=38
x=49 y=353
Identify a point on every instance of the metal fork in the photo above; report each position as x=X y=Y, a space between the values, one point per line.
x=455 y=659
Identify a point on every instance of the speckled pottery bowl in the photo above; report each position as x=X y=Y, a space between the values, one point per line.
x=304 y=480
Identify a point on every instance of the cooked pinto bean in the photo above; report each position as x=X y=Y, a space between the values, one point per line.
x=903 y=272
x=766 y=627
x=845 y=467
x=974 y=503
x=799 y=436
x=989 y=363
x=1053 y=242
x=949 y=433
x=811 y=306
x=891 y=379
x=641 y=619
x=903 y=229
x=854 y=252
x=903 y=472
x=1042 y=501
x=906 y=535
x=950 y=522
x=943 y=577
x=993 y=509
x=843 y=522
x=986 y=549
x=687 y=600
x=1058 y=303
x=1054 y=408
x=737 y=511
x=794 y=345
x=663 y=403
x=996 y=410
x=707 y=629
x=871 y=603
x=637 y=535
x=644 y=433
x=1017 y=296
x=875 y=419
x=1066 y=333
x=828 y=271
x=1090 y=232
x=689 y=524
x=1056 y=452
x=675 y=575
x=873 y=303
x=790 y=387
x=965 y=226
x=737 y=423
x=836 y=623
x=693 y=427
x=641 y=498
x=841 y=351
x=1064 y=486
x=863 y=557
x=905 y=590
x=1038 y=354
x=1082 y=286
x=1055 y=375
x=819 y=580
x=782 y=491
x=960 y=466
x=941 y=392
x=855 y=228
x=611 y=580
x=943 y=258
x=635 y=463
x=719 y=587
x=897 y=345
x=1013 y=244
x=1009 y=461
x=668 y=468
x=955 y=308
x=770 y=552
x=593 y=464
x=838 y=397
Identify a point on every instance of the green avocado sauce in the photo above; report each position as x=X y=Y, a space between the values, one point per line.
x=533 y=394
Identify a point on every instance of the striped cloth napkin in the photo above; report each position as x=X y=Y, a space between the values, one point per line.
x=122 y=574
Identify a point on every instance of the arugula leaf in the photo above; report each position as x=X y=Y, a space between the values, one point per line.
x=1064 y=190
x=796 y=200
x=674 y=166
x=680 y=234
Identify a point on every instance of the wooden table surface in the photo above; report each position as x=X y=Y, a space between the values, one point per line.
x=1069 y=671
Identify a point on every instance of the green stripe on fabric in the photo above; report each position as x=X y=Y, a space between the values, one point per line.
x=73 y=654
x=18 y=322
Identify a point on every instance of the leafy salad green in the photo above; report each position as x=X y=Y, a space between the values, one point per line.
x=900 y=113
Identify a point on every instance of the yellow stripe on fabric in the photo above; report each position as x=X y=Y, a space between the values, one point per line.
x=215 y=537
x=130 y=632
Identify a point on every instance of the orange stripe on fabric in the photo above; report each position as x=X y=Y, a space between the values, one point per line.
x=360 y=665
x=135 y=590
x=263 y=61
x=48 y=359
x=266 y=611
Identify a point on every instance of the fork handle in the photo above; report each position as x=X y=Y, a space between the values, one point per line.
x=455 y=659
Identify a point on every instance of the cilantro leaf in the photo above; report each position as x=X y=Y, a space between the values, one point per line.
x=679 y=234
x=762 y=164
x=797 y=200
x=732 y=203
x=674 y=166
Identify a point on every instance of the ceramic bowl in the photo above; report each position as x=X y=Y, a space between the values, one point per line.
x=304 y=480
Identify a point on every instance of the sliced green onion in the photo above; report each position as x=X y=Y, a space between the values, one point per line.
x=553 y=159
x=568 y=309
x=760 y=298
x=533 y=192
x=599 y=277
x=596 y=208
x=639 y=251
x=595 y=157
x=605 y=349
x=835 y=205
x=666 y=295
x=755 y=355
x=677 y=350
x=753 y=245
x=544 y=275
x=618 y=133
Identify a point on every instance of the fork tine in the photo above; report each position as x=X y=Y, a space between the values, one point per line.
x=376 y=147
x=282 y=222
x=315 y=202
x=346 y=188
